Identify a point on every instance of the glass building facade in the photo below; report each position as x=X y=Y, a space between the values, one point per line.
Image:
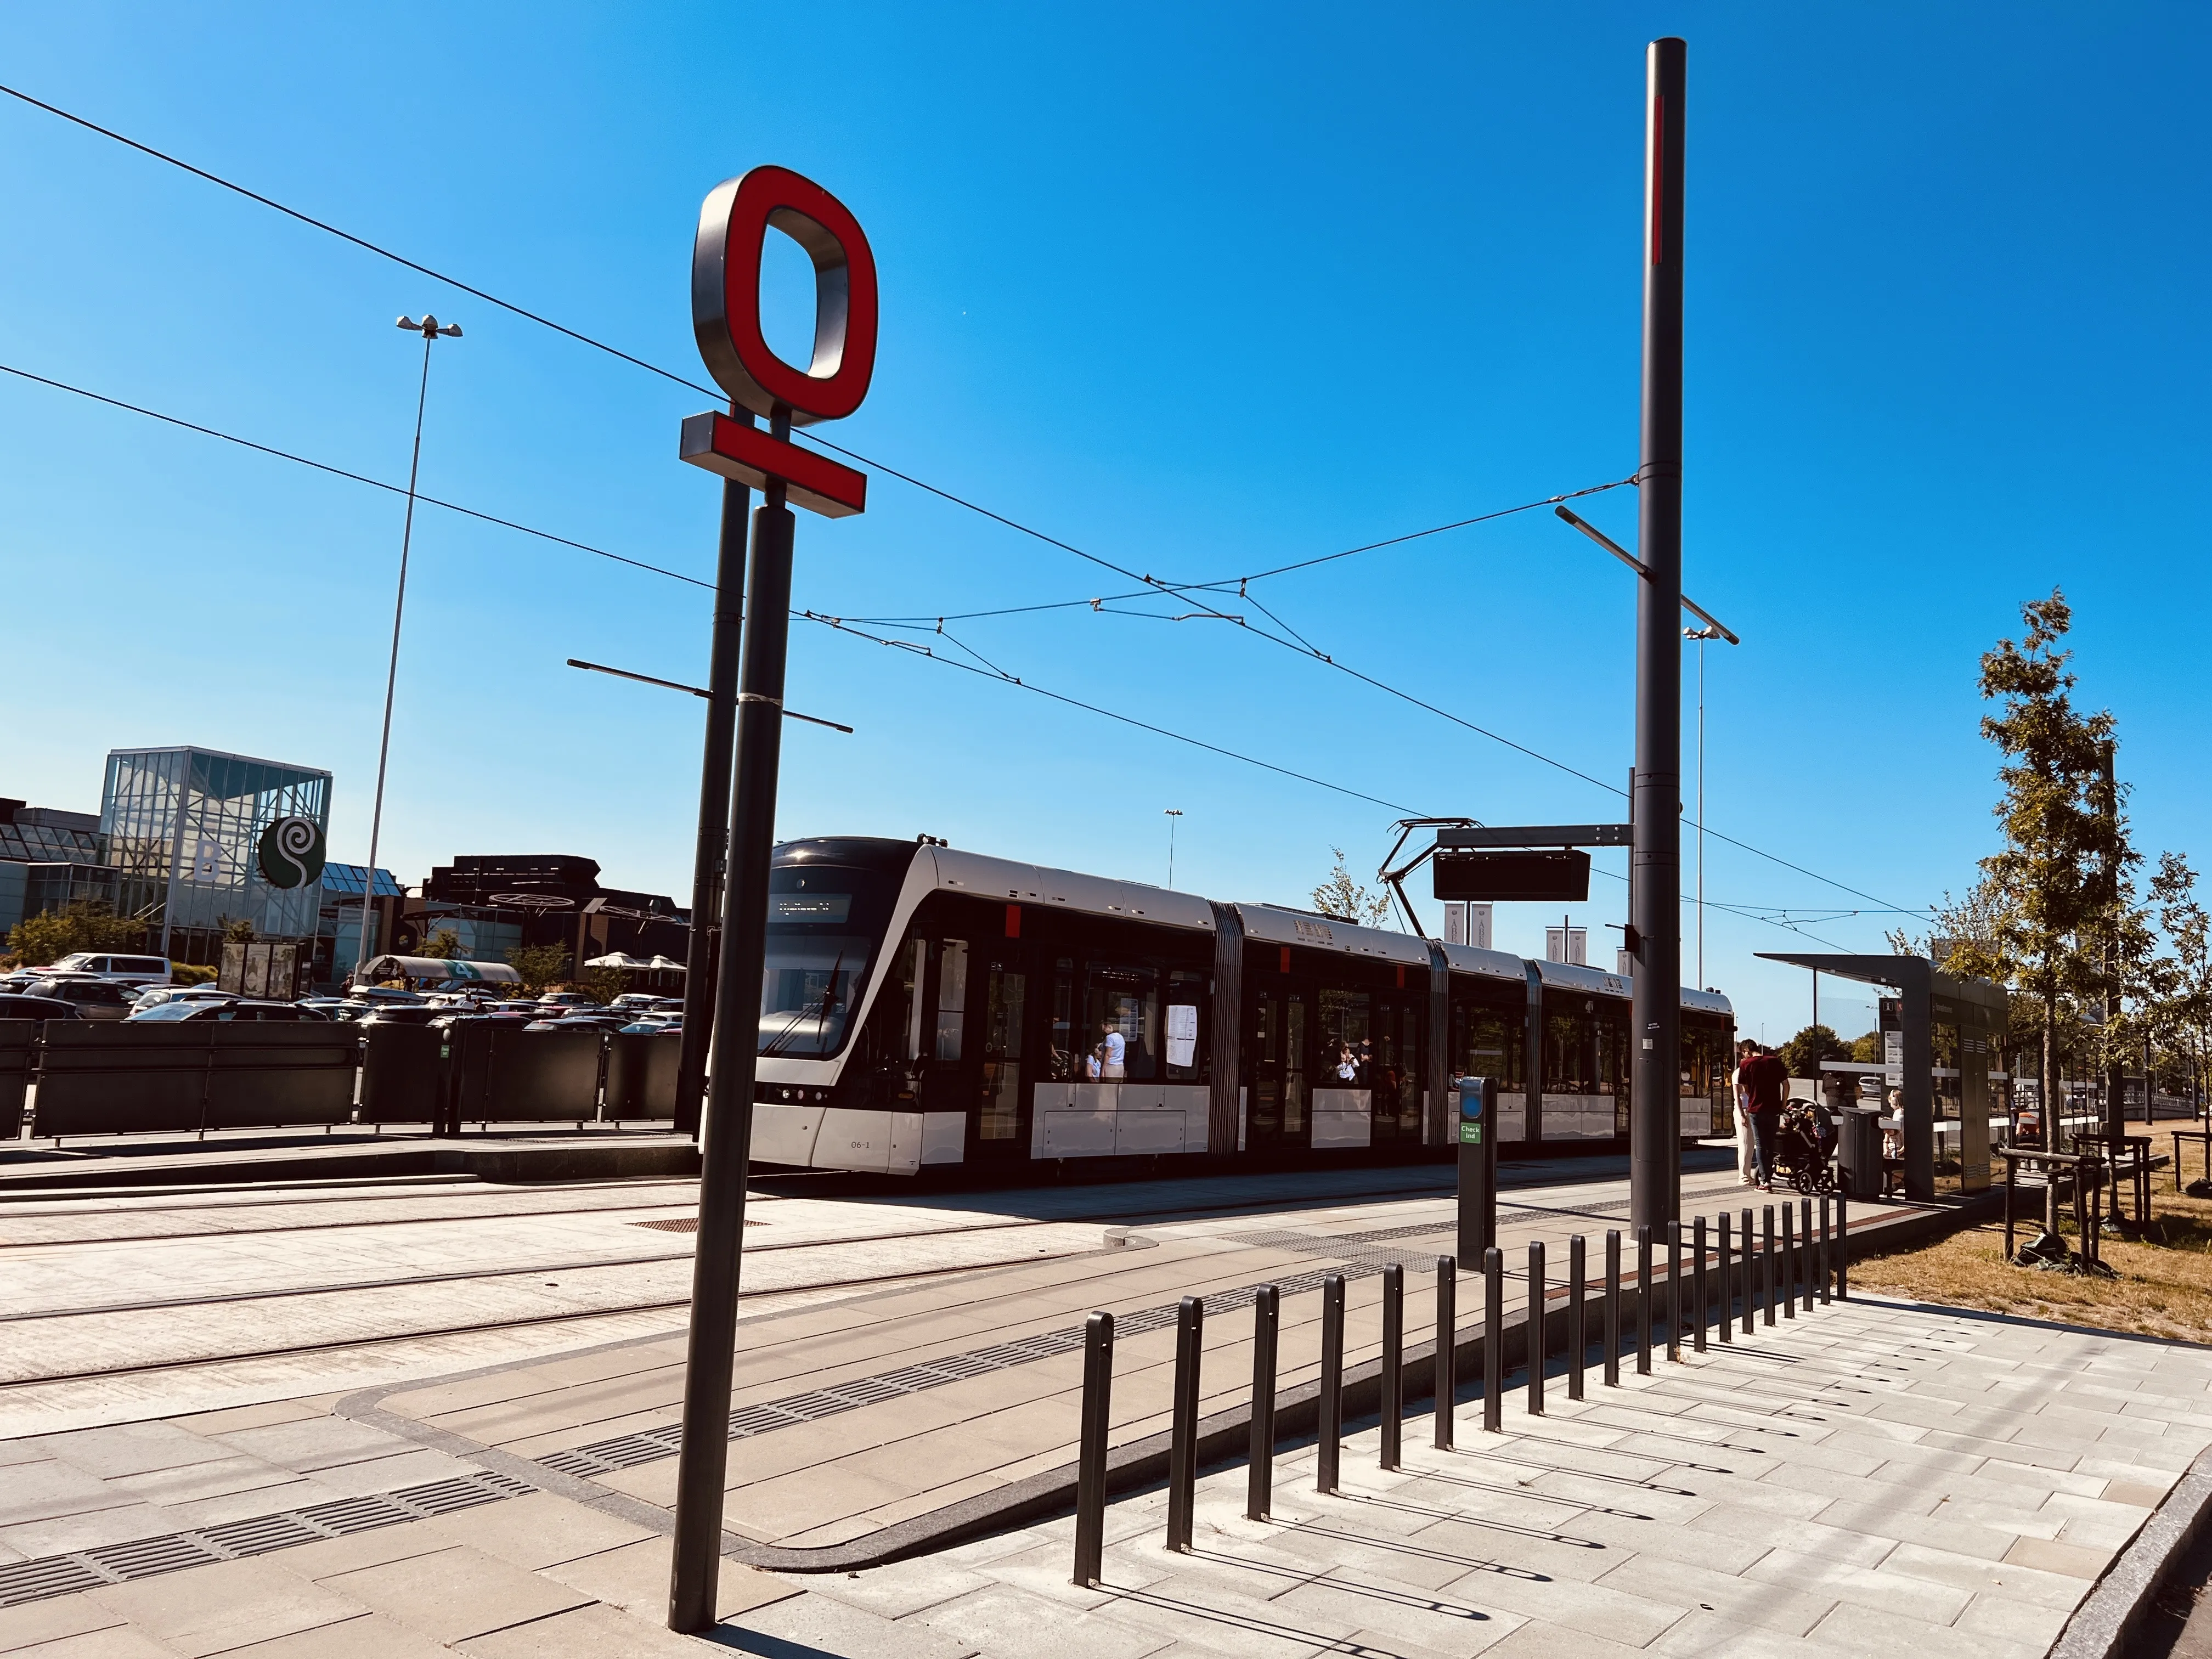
x=182 y=827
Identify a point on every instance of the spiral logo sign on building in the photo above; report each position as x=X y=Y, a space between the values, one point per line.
x=291 y=852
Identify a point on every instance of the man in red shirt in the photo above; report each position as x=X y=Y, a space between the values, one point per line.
x=1766 y=1080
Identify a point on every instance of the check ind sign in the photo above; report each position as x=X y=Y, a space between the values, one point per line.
x=1470 y=1116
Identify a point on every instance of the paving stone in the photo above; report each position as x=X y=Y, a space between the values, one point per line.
x=116 y=1641
x=999 y=1618
x=455 y=1593
x=371 y=1636
x=32 y=1622
x=132 y=1449
x=2076 y=1561
x=1439 y=1622
x=1878 y=1635
x=590 y=1632
x=806 y=1622
x=41 y=1490
x=87 y=1531
x=207 y=1610
x=315 y=1442
x=538 y=1530
x=222 y=1476
x=635 y=1576
x=1789 y=1606
x=1925 y=1599
x=328 y=1556
x=1998 y=1614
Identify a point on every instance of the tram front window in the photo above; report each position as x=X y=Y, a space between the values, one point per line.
x=824 y=926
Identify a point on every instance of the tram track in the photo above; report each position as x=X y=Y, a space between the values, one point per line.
x=478 y=1327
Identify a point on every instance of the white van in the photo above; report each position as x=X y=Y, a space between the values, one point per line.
x=121 y=970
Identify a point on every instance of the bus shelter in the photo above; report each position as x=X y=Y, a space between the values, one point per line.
x=1939 y=1054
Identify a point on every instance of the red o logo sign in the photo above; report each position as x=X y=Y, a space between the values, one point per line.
x=726 y=262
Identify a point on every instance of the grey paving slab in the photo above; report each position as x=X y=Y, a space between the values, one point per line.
x=454 y=1593
x=817 y=1623
x=370 y=1636
x=209 y=1610
x=588 y=1632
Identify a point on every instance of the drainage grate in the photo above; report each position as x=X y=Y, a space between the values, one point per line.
x=52 y=1575
x=260 y=1534
x=148 y=1558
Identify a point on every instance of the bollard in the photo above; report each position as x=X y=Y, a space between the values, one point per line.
x=1493 y=1338
x=1332 y=1383
x=1750 y=1273
x=1789 y=1268
x=1766 y=1266
x=1805 y=1232
x=1260 y=1480
x=1698 y=1282
x=1534 y=1343
x=1577 y=1338
x=1643 y=1300
x=1183 y=1434
x=1843 y=1246
x=1393 y=1363
x=1446 y=1358
x=1727 y=1283
x=1613 y=1307
x=1090 y=1464
x=1674 y=1291
x=1826 y=1249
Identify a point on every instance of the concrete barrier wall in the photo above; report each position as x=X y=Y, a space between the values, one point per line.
x=17 y=1053
x=641 y=1074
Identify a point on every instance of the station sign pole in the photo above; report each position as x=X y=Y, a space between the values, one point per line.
x=733 y=225
x=1478 y=1166
x=1655 y=855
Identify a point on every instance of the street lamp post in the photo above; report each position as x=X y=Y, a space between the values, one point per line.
x=1173 y=813
x=431 y=330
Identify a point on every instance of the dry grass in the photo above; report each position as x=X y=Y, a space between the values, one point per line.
x=2162 y=1285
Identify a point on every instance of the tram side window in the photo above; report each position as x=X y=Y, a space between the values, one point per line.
x=1002 y=1054
x=1485 y=1041
x=1346 y=1038
x=1570 y=1052
x=952 y=996
x=1186 y=1046
x=1121 y=1024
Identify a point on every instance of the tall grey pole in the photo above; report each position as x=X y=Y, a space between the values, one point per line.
x=1655 y=853
x=430 y=330
x=726 y=1134
x=713 y=845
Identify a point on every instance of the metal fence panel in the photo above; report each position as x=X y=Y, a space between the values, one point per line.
x=99 y=1078
x=401 y=1073
x=642 y=1073
x=540 y=1076
x=17 y=1053
x=281 y=1074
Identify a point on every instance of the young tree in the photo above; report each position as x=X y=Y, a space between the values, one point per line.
x=1803 y=1053
x=1347 y=901
x=540 y=965
x=444 y=944
x=2184 y=980
x=81 y=924
x=236 y=930
x=2053 y=880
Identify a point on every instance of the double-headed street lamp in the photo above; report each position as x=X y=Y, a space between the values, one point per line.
x=431 y=330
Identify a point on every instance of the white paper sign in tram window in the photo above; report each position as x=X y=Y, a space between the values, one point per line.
x=1182 y=1033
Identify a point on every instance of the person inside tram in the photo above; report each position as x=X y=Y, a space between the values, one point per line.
x=1107 y=1058
x=1347 y=1069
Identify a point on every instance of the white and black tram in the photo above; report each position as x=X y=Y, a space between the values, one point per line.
x=923 y=1006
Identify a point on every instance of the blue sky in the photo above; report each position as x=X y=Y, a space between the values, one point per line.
x=1201 y=290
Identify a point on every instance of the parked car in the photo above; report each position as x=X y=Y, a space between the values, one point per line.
x=389 y=995
x=421 y=1014
x=154 y=995
x=38 y=1008
x=577 y=1023
x=122 y=971
x=566 y=999
x=653 y=1028
x=95 y=999
x=241 y=1010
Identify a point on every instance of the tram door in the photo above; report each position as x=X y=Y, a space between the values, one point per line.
x=1276 y=1100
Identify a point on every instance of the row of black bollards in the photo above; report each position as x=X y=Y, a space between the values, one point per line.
x=1765 y=1279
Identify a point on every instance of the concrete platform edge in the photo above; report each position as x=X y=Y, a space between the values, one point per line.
x=2105 y=1624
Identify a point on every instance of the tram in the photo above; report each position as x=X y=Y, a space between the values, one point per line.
x=923 y=1006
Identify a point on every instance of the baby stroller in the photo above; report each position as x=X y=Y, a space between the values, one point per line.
x=1802 y=1155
